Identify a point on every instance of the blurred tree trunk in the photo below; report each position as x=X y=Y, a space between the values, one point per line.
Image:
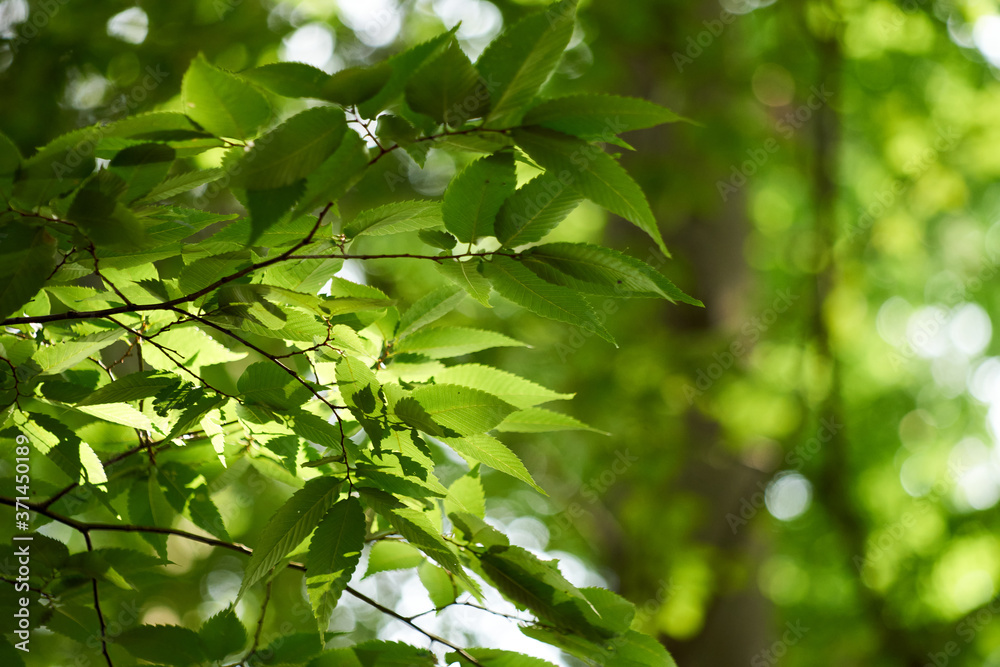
x=682 y=165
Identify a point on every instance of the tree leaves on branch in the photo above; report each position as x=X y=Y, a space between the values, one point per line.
x=156 y=353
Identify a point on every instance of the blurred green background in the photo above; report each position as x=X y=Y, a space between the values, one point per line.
x=803 y=473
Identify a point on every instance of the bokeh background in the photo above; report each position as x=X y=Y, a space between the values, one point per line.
x=806 y=471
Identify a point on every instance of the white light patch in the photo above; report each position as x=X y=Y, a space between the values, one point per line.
x=480 y=21
x=788 y=496
x=375 y=22
x=925 y=331
x=131 y=25
x=986 y=36
x=12 y=12
x=970 y=329
x=87 y=91
x=892 y=318
x=311 y=44
x=984 y=381
x=351 y=270
x=978 y=482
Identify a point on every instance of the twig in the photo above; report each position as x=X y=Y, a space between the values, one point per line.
x=85 y=528
x=97 y=607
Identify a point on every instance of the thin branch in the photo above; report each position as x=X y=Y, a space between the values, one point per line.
x=435 y=137
x=167 y=305
x=435 y=258
x=97 y=607
x=399 y=617
x=86 y=528
x=260 y=624
x=167 y=352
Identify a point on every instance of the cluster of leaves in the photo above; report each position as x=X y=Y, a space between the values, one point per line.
x=119 y=300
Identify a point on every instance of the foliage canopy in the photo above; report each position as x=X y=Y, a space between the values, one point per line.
x=125 y=309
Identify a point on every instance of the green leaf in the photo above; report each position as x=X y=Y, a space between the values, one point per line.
x=537 y=585
x=540 y=420
x=608 y=610
x=268 y=207
x=204 y=513
x=222 y=635
x=494 y=657
x=440 y=587
x=535 y=210
x=474 y=197
x=632 y=649
x=63 y=356
x=453 y=409
x=476 y=531
x=293 y=649
x=101 y=216
x=395 y=218
x=386 y=556
x=27 y=259
x=417 y=529
x=598 y=270
x=336 y=175
x=148 y=506
x=289 y=526
x=428 y=308
x=593 y=173
x=176 y=185
x=56 y=168
x=444 y=342
x=376 y=653
x=354 y=85
x=289 y=79
x=466 y=495
x=358 y=386
x=519 y=285
x=267 y=383
x=334 y=552
x=142 y=167
x=598 y=117
x=144 y=384
x=293 y=150
x=518 y=62
x=9 y=655
x=223 y=103
x=10 y=158
x=467 y=276
x=491 y=452
x=402 y=67
x=437 y=238
x=392 y=129
x=164 y=644
x=511 y=388
x=448 y=88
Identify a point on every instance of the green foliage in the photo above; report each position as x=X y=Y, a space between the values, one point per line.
x=183 y=352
